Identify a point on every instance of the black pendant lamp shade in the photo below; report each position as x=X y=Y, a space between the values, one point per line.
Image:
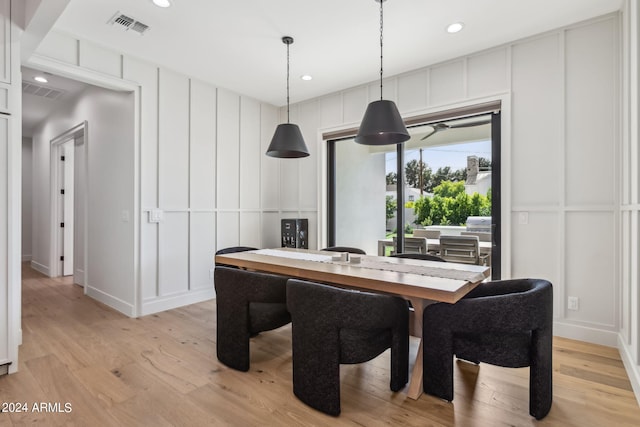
x=287 y=141
x=382 y=124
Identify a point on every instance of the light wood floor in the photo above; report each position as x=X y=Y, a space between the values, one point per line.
x=161 y=370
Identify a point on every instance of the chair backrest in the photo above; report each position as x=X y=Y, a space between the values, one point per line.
x=429 y=234
x=416 y=245
x=231 y=250
x=482 y=236
x=323 y=306
x=345 y=249
x=463 y=249
x=424 y=257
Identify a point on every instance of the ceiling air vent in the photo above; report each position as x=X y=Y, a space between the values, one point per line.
x=37 y=90
x=127 y=23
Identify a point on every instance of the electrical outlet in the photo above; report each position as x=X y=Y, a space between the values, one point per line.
x=523 y=218
x=573 y=303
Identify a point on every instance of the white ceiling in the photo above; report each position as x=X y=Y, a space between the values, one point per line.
x=237 y=44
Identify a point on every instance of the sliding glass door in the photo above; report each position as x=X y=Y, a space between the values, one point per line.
x=450 y=174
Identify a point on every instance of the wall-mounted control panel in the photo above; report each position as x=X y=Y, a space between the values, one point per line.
x=294 y=233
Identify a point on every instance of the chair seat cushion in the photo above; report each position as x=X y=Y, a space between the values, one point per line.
x=508 y=350
x=267 y=316
x=359 y=346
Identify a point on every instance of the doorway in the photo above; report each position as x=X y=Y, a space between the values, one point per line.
x=68 y=189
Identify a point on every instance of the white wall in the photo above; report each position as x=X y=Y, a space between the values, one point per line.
x=555 y=167
x=27 y=195
x=109 y=274
x=202 y=163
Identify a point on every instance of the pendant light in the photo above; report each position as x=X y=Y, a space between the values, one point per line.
x=287 y=141
x=382 y=123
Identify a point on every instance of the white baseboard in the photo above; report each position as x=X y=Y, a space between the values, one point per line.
x=40 y=268
x=633 y=370
x=585 y=333
x=113 y=302
x=159 y=304
x=26 y=258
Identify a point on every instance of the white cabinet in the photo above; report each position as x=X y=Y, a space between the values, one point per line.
x=10 y=178
x=5 y=54
x=4 y=238
x=5 y=40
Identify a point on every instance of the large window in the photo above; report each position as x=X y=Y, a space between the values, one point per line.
x=451 y=171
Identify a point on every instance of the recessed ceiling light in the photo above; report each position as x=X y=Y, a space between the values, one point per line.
x=40 y=79
x=455 y=27
x=306 y=77
x=162 y=3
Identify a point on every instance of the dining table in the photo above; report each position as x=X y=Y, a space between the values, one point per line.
x=420 y=282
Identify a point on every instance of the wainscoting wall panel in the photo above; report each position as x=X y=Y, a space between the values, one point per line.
x=173 y=254
x=269 y=167
x=202 y=234
x=487 y=73
x=446 y=83
x=590 y=265
x=271 y=229
x=250 y=154
x=533 y=260
x=354 y=104
x=227 y=226
x=202 y=144
x=537 y=144
x=412 y=91
x=173 y=141
x=228 y=150
x=590 y=181
x=250 y=229
x=308 y=166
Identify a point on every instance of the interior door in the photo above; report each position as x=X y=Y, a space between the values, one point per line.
x=67 y=194
x=79 y=198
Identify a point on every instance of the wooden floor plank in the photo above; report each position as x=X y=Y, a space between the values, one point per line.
x=161 y=370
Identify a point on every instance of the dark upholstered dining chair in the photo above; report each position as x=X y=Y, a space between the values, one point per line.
x=331 y=326
x=345 y=249
x=505 y=323
x=233 y=249
x=247 y=302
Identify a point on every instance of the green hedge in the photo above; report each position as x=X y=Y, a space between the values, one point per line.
x=450 y=205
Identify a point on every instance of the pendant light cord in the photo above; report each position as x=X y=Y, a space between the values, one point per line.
x=288 y=82
x=381 y=27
